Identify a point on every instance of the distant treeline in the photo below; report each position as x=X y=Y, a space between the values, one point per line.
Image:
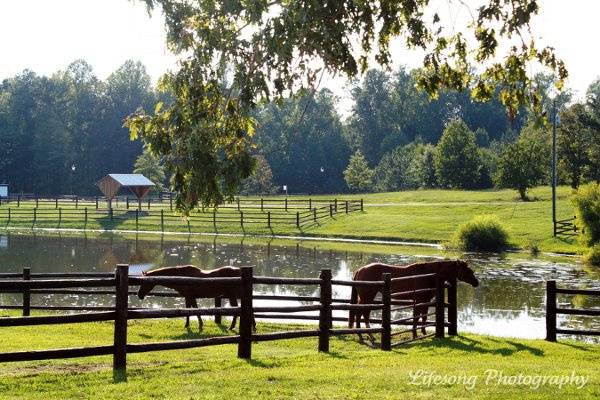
x=62 y=133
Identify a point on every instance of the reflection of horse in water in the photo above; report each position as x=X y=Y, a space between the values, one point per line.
x=450 y=269
x=198 y=290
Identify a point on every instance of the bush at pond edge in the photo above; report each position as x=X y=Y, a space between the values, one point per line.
x=593 y=256
x=587 y=205
x=482 y=233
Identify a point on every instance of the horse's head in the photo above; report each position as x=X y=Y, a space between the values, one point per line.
x=145 y=287
x=465 y=274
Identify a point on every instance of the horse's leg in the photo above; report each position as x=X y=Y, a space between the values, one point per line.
x=233 y=303
x=200 y=324
x=424 y=312
x=188 y=304
x=415 y=321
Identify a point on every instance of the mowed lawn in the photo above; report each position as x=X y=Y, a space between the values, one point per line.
x=419 y=216
x=293 y=369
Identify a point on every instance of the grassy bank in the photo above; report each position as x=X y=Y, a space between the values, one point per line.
x=421 y=216
x=289 y=369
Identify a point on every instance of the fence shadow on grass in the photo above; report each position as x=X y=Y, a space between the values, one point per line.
x=462 y=343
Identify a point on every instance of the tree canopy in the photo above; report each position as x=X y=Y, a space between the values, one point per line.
x=236 y=54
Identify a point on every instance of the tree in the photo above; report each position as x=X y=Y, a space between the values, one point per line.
x=457 y=163
x=574 y=140
x=237 y=54
x=522 y=165
x=261 y=180
x=358 y=175
x=149 y=165
x=394 y=170
x=422 y=166
x=302 y=139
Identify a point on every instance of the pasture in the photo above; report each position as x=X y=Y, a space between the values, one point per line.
x=419 y=216
x=290 y=369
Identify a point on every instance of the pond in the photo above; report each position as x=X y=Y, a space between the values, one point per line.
x=508 y=302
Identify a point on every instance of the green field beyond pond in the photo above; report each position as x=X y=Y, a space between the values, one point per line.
x=419 y=216
x=463 y=367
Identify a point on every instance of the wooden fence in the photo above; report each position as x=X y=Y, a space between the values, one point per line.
x=265 y=212
x=566 y=227
x=120 y=283
x=552 y=311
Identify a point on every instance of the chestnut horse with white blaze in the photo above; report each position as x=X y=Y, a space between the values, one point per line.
x=449 y=269
x=198 y=290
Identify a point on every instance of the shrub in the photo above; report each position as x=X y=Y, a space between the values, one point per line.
x=587 y=205
x=593 y=256
x=482 y=233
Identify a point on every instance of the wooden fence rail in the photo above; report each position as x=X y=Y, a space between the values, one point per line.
x=158 y=218
x=324 y=304
x=552 y=311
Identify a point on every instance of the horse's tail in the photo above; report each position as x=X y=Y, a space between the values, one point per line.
x=353 y=300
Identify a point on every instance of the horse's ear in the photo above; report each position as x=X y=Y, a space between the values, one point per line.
x=144 y=273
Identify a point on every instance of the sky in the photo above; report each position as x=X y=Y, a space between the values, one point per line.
x=47 y=35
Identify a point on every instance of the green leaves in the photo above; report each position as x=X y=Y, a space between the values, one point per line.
x=237 y=54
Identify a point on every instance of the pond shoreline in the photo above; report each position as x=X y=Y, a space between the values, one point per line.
x=334 y=239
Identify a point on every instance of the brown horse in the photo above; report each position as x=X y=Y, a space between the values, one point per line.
x=200 y=290
x=449 y=269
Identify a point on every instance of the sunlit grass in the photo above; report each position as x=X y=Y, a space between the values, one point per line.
x=420 y=216
x=285 y=369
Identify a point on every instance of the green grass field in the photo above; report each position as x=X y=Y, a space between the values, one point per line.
x=292 y=369
x=420 y=216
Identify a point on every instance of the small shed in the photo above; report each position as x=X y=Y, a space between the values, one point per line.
x=137 y=183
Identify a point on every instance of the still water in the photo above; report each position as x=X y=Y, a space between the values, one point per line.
x=508 y=302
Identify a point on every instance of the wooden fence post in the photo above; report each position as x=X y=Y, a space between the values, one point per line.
x=148 y=202
x=137 y=216
x=76 y=201
x=8 y=222
x=325 y=312
x=297 y=219
x=56 y=202
x=335 y=204
x=19 y=201
x=162 y=220
x=551 y=311
x=315 y=214
x=171 y=201
x=110 y=212
x=452 y=308
x=36 y=201
x=85 y=221
x=346 y=203
x=26 y=293
x=262 y=205
x=440 y=316
x=242 y=219
x=218 y=304
x=215 y=219
x=120 y=337
x=238 y=203
x=362 y=205
x=127 y=202
x=96 y=202
x=59 y=216
x=268 y=219
x=386 y=313
x=34 y=216
x=309 y=204
x=286 y=204
x=245 y=343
